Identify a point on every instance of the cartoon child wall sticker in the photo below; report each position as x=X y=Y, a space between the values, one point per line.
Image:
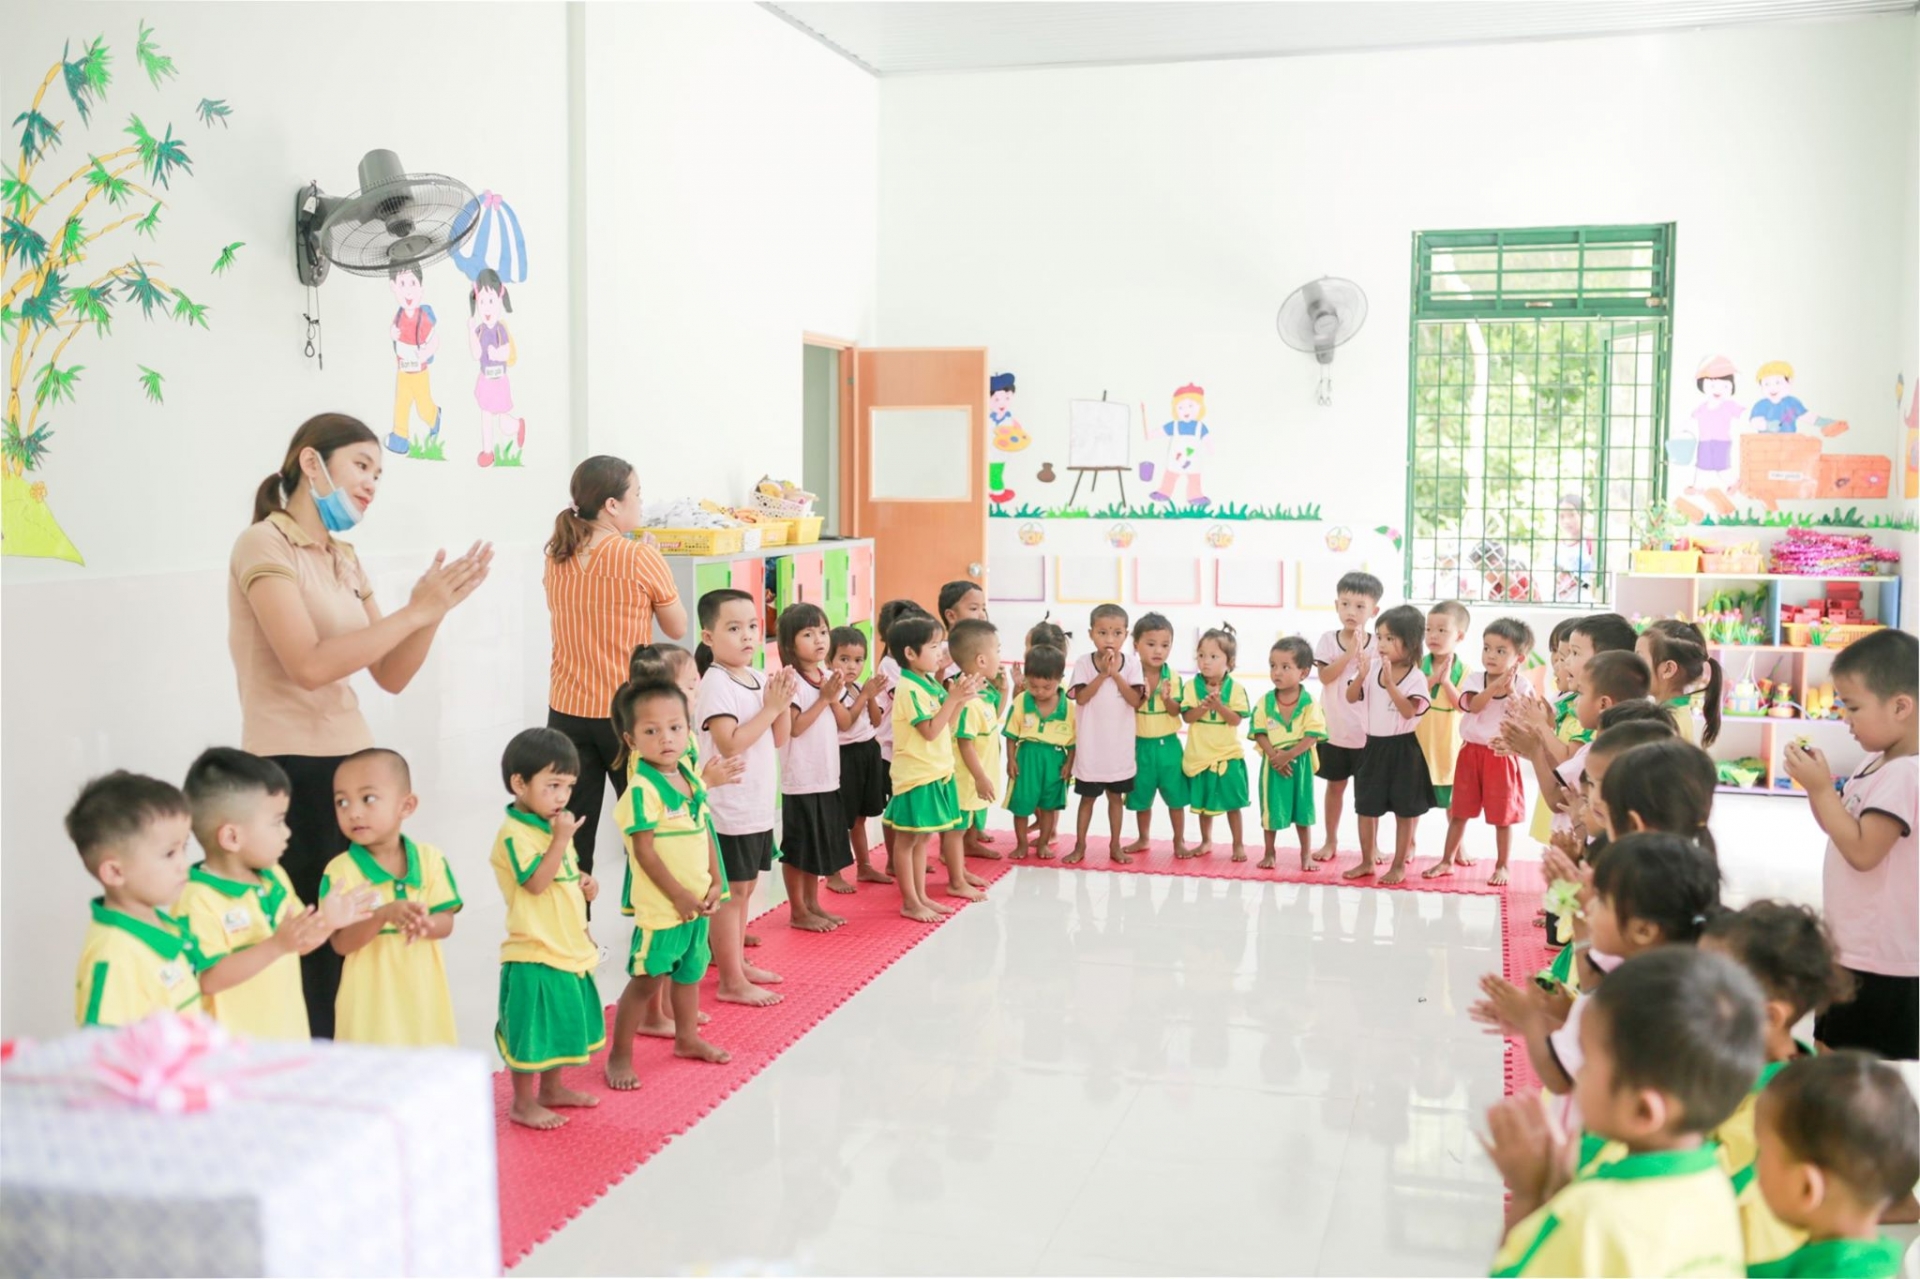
x=492 y=344
x=415 y=342
x=1712 y=439
x=1006 y=436
x=1779 y=412
x=1189 y=443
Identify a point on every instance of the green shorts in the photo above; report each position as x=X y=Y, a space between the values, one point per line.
x=1157 y=772
x=547 y=1018
x=680 y=952
x=1442 y=796
x=1287 y=801
x=1040 y=786
x=933 y=806
x=1213 y=793
x=974 y=818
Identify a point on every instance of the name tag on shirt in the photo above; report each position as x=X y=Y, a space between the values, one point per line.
x=172 y=975
x=237 y=920
x=409 y=365
x=493 y=371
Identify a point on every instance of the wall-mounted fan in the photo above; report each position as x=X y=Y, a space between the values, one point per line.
x=1318 y=317
x=396 y=218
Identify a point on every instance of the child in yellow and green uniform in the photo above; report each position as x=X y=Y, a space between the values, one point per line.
x=974 y=647
x=550 y=1012
x=1158 y=754
x=1042 y=726
x=1438 y=731
x=137 y=959
x=1671 y=1043
x=1287 y=727
x=393 y=986
x=926 y=798
x=1215 y=761
x=1839 y=1142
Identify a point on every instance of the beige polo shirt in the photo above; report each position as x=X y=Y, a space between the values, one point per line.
x=278 y=717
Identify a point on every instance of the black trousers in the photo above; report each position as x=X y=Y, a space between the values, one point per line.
x=1883 y=1017
x=599 y=764
x=315 y=838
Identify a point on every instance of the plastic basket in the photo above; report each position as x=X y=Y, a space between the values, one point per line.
x=780 y=507
x=1800 y=634
x=698 y=541
x=1730 y=562
x=1666 y=561
x=806 y=529
x=774 y=532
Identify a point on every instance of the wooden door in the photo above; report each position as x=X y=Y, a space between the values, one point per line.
x=914 y=466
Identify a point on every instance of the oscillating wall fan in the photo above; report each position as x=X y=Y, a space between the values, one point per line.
x=1319 y=316
x=395 y=219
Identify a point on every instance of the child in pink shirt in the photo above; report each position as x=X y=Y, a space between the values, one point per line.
x=1107 y=687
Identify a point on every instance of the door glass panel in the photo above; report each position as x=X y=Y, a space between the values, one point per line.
x=922 y=454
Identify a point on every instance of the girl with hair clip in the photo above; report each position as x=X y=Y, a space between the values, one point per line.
x=1676 y=653
x=1216 y=760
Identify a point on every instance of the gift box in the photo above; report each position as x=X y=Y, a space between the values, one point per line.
x=322 y=1159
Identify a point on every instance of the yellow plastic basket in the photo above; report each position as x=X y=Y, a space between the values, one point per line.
x=697 y=541
x=774 y=532
x=1666 y=561
x=806 y=529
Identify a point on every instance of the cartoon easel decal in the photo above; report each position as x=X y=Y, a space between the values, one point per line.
x=1189 y=440
x=1709 y=447
x=491 y=343
x=415 y=342
x=1007 y=436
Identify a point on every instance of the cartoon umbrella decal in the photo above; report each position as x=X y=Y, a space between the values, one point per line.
x=496 y=241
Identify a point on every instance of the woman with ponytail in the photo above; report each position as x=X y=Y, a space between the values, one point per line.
x=605 y=592
x=301 y=621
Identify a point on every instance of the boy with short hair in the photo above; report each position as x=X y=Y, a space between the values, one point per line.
x=1042 y=729
x=1356 y=598
x=1672 y=1041
x=1487 y=780
x=1872 y=873
x=1839 y=1141
x=1438 y=731
x=137 y=959
x=551 y=1014
x=251 y=925
x=393 y=985
x=1601 y=682
x=973 y=645
x=1107 y=688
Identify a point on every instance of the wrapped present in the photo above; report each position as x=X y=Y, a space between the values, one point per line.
x=163 y=1149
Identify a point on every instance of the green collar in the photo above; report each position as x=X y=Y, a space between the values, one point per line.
x=1059 y=710
x=1660 y=1163
x=166 y=941
x=1772 y=1068
x=1456 y=672
x=1152 y=704
x=669 y=794
x=377 y=874
x=908 y=673
x=534 y=820
x=1842 y=1258
x=1682 y=700
x=1273 y=706
x=1225 y=694
x=991 y=696
x=271 y=890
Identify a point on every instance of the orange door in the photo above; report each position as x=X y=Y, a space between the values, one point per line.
x=916 y=468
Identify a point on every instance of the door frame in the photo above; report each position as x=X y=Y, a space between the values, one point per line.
x=845 y=518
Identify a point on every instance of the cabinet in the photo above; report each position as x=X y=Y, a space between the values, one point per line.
x=836 y=574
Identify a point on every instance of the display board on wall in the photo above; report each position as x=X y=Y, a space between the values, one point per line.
x=1097 y=432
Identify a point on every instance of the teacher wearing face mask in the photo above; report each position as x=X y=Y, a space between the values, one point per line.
x=301 y=620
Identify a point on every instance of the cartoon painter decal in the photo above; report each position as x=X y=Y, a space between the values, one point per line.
x=1006 y=436
x=1189 y=442
x=415 y=342
x=491 y=343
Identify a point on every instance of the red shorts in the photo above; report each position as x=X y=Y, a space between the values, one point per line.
x=1486 y=784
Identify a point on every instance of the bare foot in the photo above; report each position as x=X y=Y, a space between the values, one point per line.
x=1308 y=865
x=1180 y=850
x=986 y=837
x=1439 y=870
x=657 y=1029
x=937 y=908
x=1043 y=852
x=751 y=939
x=1394 y=876
x=836 y=920
x=1499 y=876
x=1239 y=853
x=974 y=881
x=966 y=892
x=620 y=1076
x=1461 y=859
x=749 y=994
x=809 y=923
x=1137 y=846
x=1201 y=850
x=534 y=1115
x=762 y=976
x=1119 y=857
x=1363 y=871
x=1325 y=853
x=1019 y=854
x=1381 y=859
x=872 y=875
x=558 y=1096
x=1266 y=863
x=984 y=853
x=700 y=1050
x=835 y=884
x=1073 y=858
x=920 y=914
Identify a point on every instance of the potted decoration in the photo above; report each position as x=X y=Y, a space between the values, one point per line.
x=1664 y=547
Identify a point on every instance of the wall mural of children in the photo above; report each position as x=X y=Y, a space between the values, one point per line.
x=1713 y=421
x=492 y=344
x=1005 y=436
x=1189 y=443
x=1779 y=412
x=415 y=342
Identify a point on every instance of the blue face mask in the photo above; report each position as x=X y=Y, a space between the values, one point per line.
x=337 y=511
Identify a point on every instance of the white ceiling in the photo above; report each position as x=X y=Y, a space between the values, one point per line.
x=905 y=37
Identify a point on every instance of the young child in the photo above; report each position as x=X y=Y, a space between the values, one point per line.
x=251 y=926
x=1215 y=761
x=1157 y=752
x=926 y=801
x=1554 y=716
x=1393 y=776
x=550 y=1011
x=1604 y=681
x=393 y=985
x=1041 y=727
x=742 y=713
x=813 y=824
x=964 y=601
x=1107 y=688
x=1872 y=873
x=1438 y=731
x=137 y=959
x=1560 y=733
x=1287 y=727
x=1676 y=653
x=973 y=647
x=1045 y=633
x=1671 y=1045
x=863 y=773
x=1839 y=1139
x=674 y=878
x=1664 y=785
x=888 y=668
x=1356 y=599
x=1486 y=777
x=1789 y=953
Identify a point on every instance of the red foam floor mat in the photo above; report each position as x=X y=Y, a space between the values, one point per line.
x=1219 y=864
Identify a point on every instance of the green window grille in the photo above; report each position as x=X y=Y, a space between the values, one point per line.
x=1537 y=409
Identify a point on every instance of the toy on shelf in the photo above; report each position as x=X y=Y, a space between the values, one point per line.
x=1806 y=552
x=1664 y=547
x=1744 y=699
x=1780 y=702
x=1745 y=772
x=1742 y=558
x=1820 y=704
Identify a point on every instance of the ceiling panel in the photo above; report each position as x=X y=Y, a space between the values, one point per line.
x=896 y=37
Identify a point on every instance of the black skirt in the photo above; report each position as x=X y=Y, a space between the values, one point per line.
x=813 y=833
x=1393 y=778
x=865 y=783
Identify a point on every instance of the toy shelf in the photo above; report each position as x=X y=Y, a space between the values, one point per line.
x=1754 y=577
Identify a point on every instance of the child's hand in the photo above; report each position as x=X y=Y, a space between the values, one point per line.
x=686 y=905
x=1066 y=772
x=302 y=932
x=722 y=770
x=781 y=686
x=1362 y=661
x=1506 y=1007
x=985 y=789
x=409 y=918
x=835 y=685
x=343 y=909
x=1168 y=693
x=874 y=687
x=1808 y=766
x=1284 y=767
x=1563 y=859
x=1527 y=1145
x=565 y=824
x=968 y=687
x=589 y=886
x=711 y=901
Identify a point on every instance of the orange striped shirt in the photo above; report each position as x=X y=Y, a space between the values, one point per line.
x=602 y=603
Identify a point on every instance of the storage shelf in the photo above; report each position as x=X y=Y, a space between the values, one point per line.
x=1726 y=719
x=1774 y=648
x=1758 y=577
x=1725 y=789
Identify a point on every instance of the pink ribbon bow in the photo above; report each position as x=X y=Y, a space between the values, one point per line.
x=161 y=1062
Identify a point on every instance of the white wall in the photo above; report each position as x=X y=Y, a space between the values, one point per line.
x=743 y=217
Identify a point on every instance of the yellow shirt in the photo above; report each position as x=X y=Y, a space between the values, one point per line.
x=1681 y=708
x=1566 y=726
x=1670 y=1213
x=542 y=928
x=1283 y=729
x=129 y=968
x=227 y=917
x=391 y=992
x=979 y=723
x=917 y=761
x=1212 y=743
x=1156 y=718
x=1439 y=734
x=1055 y=728
x=682 y=840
